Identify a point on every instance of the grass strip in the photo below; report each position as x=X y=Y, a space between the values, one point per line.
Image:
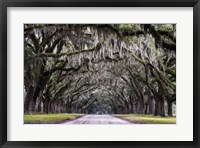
x=49 y=118
x=147 y=119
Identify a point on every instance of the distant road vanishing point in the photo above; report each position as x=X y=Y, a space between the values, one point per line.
x=98 y=119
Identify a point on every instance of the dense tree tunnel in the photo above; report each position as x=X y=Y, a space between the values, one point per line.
x=100 y=68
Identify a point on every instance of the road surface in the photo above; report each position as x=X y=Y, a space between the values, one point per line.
x=98 y=119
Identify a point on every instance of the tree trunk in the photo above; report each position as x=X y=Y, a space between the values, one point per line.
x=151 y=106
x=140 y=107
x=38 y=105
x=132 y=107
x=146 y=108
x=42 y=106
x=50 y=108
x=169 y=106
x=28 y=99
x=156 y=110
x=161 y=108
x=47 y=105
x=68 y=108
x=131 y=104
x=59 y=107
x=40 y=85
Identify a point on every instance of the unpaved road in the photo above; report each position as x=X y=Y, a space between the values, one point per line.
x=98 y=119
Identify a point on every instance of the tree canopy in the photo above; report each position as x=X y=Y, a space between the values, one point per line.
x=106 y=68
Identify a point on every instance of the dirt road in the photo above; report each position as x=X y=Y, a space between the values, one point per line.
x=98 y=119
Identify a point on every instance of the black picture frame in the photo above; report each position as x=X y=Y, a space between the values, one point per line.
x=99 y=3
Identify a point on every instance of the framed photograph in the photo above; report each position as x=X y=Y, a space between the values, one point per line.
x=99 y=73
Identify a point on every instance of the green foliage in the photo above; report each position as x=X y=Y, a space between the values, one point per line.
x=127 y=27
x=164 y=27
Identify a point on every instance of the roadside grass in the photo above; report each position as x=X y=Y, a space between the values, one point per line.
x=147 y=119
x=49 y=118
